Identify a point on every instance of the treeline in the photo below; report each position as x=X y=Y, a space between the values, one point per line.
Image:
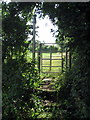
x=44 y=47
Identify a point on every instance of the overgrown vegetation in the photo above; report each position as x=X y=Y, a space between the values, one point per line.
x=73 y=25
x=20 y=77
x=21 y=99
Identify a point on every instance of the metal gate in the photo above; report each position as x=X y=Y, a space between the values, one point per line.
x=53 y=59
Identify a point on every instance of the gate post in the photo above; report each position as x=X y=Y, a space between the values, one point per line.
x=70 y=59
x=66 y=57
x=34 y=22
x=39 y=58
x=62 y=61
x=50 y=57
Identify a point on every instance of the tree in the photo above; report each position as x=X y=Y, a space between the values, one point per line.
x=73 y=21
x=19 y=76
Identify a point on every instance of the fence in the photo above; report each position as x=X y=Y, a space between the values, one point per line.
x=63 y=57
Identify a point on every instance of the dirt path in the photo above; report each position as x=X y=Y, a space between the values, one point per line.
x=49 y=97
x=47 y=84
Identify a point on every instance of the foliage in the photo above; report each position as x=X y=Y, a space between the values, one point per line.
x=20 y=78
x=18 y=87
x=73 y=24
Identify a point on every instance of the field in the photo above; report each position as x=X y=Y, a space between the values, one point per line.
x=45 y=61
x=53 y=62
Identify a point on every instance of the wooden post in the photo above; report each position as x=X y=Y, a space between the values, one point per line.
x=34 y=22
x=39 y=58
x=70 y=59
x=50 y=57
x=62 y=61
x=66 y=58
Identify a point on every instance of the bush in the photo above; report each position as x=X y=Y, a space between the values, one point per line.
x=18 y=87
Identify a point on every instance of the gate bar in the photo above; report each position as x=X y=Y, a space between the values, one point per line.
x=51 y=66
x=49 y=43
x=50 y=72
x=50 y=57
x=39 y=58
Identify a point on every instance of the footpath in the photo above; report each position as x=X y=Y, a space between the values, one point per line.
x=48 y=95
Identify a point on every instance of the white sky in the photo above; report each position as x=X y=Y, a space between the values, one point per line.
x=6 y=1
x=44 y=30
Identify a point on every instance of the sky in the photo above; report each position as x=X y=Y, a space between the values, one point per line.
x=44 y=30
x=7 y=1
